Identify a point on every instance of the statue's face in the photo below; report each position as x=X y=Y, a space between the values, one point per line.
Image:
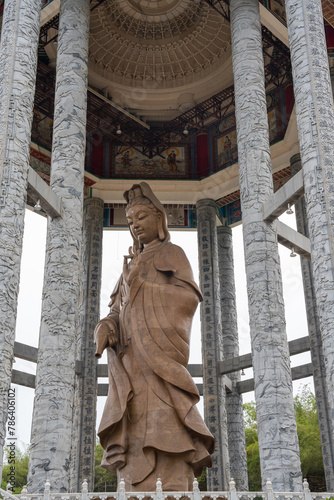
x=143 y=223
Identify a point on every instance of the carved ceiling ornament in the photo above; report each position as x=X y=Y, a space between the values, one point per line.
x=169 y=42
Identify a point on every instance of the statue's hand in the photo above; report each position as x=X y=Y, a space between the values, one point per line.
x=112 y=337
x=104 y=336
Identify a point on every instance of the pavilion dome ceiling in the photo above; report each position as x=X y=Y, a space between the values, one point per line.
x=159 y=53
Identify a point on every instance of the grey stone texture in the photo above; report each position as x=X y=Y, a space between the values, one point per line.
x=18 y=62
x=235 y=417
x=55 y=379
x=278 y=441
x=317 y=356
x=315 y=122
x=290 y=192
x=84 y=421
x=38 y=189
x=291 y=238
x=218 y=476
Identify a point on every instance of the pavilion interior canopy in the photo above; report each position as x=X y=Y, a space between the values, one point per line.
x=161 y=96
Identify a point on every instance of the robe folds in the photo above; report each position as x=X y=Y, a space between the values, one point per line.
x=150 y=426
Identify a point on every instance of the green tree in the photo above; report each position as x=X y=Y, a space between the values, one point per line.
x=202 y=484
x=309 y=439
x=103 y=479
x=15 y=469
x=309 y=442
x=252 y=447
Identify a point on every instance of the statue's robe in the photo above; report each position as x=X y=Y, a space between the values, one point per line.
x=150 y=426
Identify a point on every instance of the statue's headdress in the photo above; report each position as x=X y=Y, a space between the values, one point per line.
x=143 y=193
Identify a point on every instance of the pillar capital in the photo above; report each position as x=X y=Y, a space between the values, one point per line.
x=206 y=202
x=94 y=201
x=224 y=230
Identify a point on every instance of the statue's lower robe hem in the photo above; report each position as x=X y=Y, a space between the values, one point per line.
x=143 y=447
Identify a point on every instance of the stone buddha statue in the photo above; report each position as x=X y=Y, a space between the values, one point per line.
x=151 y=427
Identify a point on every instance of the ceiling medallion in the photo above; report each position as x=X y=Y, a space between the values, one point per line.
x=159 y=8
x=156 y=40
x=150 y=19
x=154 y=10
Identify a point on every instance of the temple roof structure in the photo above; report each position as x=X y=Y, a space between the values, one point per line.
x=161 y=92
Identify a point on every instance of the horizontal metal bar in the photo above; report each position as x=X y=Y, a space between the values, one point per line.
x=296 y=346
x=38 y=189
x=235 y=364
x=293 y=240
x=290 y=192
x=297 y=372
x=26 y=352
x=24 y=379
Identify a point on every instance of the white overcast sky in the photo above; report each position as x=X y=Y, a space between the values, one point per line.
x=115 y=245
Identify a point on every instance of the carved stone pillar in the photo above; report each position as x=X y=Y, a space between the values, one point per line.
x=84 y=433
x=54 y=396
x=18 y=62
x=315 y=121
x=317 y=356
x=212 y=345
x=235 y=416
x=277 y=430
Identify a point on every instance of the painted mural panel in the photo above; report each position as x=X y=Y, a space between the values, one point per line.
x=225 y=135
x=277 y=8
x=41 y=164
x=227 y=151
x=128 y=162
x=231 y=213
x=179 y=216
